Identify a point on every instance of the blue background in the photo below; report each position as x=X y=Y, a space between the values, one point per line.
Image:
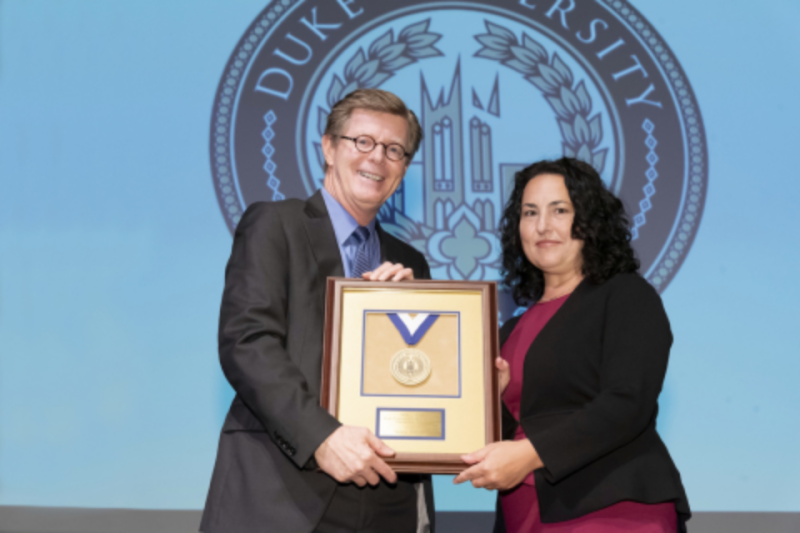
x=112 y=250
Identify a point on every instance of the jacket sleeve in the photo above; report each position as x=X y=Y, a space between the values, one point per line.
x=425 y=270
x=636 y=344
x=508 y=422
x=252 y=337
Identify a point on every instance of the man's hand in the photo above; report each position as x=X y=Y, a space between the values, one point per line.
x=389 y=272
x=354 y=454
x=501 y=465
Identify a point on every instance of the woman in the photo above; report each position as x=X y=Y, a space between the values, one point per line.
x=586 y=363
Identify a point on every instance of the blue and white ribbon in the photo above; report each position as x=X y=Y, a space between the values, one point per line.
x=412 y=329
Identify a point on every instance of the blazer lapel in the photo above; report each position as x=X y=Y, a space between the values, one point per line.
x=322 y=239
x=565 y=310
x=554 y=324
x=383 y=240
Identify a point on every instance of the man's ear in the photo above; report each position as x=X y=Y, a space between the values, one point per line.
x=328 y=149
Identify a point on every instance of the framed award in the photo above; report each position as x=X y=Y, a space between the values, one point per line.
x=413 y=361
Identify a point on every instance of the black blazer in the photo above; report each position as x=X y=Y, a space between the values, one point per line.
x=591 y=381
x=270 y=348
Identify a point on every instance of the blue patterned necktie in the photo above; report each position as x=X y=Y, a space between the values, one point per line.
x=362 y=262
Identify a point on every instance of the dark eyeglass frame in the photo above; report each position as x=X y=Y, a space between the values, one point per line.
x=376 y=143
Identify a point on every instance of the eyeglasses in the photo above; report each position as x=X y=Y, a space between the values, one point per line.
x=365 y=144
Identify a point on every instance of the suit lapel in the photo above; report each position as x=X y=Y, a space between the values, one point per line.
x=383 y=240
x=322 y=238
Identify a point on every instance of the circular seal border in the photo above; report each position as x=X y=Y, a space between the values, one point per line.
x=228 y=194
x=687 y=222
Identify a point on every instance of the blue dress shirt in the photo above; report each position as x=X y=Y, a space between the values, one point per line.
x=343 y=226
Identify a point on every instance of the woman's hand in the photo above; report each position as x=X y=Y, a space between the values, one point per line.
x=503 y=373
x=389 y=272
x=501 y=465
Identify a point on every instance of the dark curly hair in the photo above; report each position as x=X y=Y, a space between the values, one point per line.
x=600 y=222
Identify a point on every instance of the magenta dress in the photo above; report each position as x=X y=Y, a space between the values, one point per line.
x=521 y=504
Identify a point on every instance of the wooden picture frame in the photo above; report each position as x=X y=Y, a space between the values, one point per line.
x=431 y=419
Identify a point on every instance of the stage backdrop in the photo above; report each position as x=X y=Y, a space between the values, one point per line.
x=133 y=134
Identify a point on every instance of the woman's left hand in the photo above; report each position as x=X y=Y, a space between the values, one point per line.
x=501 y=465
x=503 y=373
x=389 y=272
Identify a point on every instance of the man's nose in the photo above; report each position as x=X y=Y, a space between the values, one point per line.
x=378 y=154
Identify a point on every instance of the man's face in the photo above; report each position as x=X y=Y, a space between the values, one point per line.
x=362 y=182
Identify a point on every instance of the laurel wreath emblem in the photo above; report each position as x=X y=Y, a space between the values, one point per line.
x=581 y=132
x=572 y=104
x=371 y=68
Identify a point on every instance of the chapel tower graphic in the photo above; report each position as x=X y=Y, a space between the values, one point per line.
x=447 y=170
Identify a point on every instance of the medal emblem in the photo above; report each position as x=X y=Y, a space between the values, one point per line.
x=410 y=366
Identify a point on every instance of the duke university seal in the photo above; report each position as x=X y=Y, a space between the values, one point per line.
x=496 y=85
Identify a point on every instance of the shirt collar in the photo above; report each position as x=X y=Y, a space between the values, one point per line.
x=343 y=222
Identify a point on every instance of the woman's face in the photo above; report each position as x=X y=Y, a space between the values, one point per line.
x=545 y=226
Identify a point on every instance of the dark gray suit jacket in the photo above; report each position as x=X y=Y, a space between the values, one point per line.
x=270 y=347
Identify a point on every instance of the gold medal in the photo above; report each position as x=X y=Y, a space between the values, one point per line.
x=410 y=366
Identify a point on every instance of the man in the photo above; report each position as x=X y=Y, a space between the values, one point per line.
x=284 y=464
